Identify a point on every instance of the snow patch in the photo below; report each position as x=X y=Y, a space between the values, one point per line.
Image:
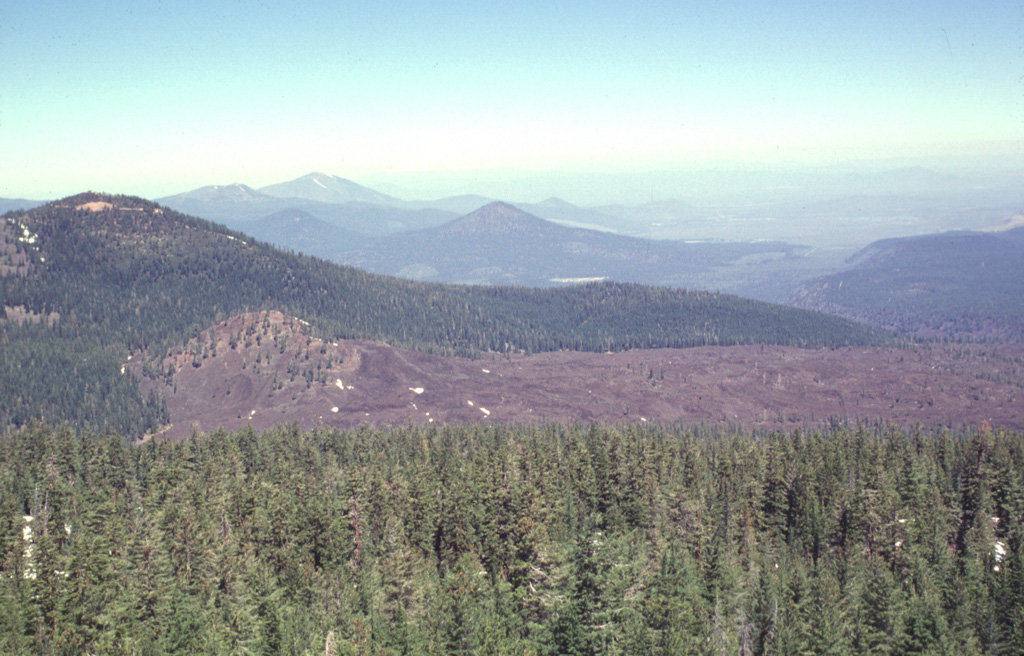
x=29 y=551
x=339 y=384
x=1000 y=551
x=470 y=403
x=334 y=409
x=487 y=413
x=417 y=390
x=580 y=280
x=320 y=183
x=486 y=371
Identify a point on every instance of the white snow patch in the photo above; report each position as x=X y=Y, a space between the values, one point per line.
x=487 y=413
x=252 y=413
x=122 y=370
x=28 y=237
x=486 y=371
x=29 y=551
x=320 y=183
x=643 y=419
x=470 y=403
x=334 y=409
x=580 y=280
x=1000 y=550
x=416 y=390
x=129 y=358
x=339 y=384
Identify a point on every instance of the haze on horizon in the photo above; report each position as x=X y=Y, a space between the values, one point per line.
x=476 y=98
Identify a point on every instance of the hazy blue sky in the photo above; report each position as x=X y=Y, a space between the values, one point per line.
x=153 y=98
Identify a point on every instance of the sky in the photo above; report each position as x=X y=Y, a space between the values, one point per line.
x=161 y=97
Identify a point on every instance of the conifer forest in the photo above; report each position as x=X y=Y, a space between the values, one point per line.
x=541 y=540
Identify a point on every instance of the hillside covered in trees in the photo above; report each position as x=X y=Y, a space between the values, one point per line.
x=498 y=540
x=89 y=280
x=959 y=285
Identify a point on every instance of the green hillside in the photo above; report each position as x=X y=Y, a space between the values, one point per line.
x=94 y=278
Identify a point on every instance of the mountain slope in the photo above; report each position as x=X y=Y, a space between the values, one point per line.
x=325 y=188
x=501 y=244
x=957 y=284
x=298 y=230
x=238 y=206
x=95 y=278
x=224 y=202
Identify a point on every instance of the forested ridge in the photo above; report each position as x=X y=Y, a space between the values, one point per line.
x=107 y=276
x=513 y=540
x=959 y=285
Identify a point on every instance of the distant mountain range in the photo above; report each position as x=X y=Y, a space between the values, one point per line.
x=500 y=244
x=340 y=204
x=11 y=204
x=475 y=239
x=548 y=243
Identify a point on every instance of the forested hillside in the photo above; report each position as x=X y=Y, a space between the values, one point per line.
x=962 y=285
x=496 y=540
x=103 y=277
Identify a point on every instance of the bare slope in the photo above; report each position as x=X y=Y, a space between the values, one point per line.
x=265 y=369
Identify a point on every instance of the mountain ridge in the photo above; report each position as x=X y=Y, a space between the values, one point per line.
x=326 y=188
x=119 y=275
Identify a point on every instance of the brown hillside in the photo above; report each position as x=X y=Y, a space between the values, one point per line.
x=265 y=369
